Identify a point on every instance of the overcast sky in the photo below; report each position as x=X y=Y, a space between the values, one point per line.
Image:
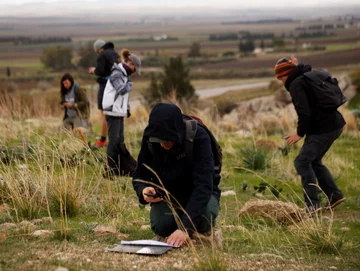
x=182 y=3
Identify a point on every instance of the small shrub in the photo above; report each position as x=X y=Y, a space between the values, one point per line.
x=275 y=85
x=261 y=188
x=24 y=194
x=322 y=241
x=210 y=263
x=228 y=53
x=355 y=77
x=226 y=105
x=64 y=234
x=64 y=203
x=254 y=158
x=65 y=196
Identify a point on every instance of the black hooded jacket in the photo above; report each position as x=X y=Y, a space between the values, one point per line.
x=191 y=185
x=105 y=61
x=311 y=119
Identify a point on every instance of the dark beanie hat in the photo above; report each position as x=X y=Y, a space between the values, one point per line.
x=283 y=67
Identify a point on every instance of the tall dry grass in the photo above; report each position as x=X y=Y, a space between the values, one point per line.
x=61 y=177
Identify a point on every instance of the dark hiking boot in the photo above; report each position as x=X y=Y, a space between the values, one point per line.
x=336 y=198
x=333 y=204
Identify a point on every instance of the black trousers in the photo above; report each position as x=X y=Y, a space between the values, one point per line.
x=309 y=166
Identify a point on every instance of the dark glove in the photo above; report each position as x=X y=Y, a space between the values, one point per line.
x=128 y=114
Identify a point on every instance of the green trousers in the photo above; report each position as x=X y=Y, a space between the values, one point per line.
x=163 y=222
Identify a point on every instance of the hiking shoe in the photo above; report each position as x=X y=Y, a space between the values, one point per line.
x=100 y=143
x=334 y=202
x=214 y=237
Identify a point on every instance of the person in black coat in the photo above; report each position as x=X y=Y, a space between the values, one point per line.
x=193 y=194
x=107 y=56
x=321 y=128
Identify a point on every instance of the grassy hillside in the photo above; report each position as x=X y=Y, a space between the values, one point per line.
x=45 y=172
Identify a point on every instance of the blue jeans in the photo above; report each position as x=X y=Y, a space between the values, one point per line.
x=309 y=166
x=163 y=222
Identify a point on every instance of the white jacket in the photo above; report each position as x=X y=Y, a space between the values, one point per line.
x=116 y=94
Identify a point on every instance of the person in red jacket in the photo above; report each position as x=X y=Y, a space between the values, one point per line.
x=107 y=56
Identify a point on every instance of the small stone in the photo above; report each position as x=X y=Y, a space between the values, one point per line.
x=345 y=229
x=7 y=226
x=4 y=208
x=47 y=219
x=241 y=228
x=102 y=230
x=42 y=233
x=333 y=267
x=36 y=221
x=234 y=228
x=2 y=237
x=145 y=227
x=23 y=166
x=27 y=225
x=228 y=193
x=259 y=195
x=61 y=269
x=178 y=265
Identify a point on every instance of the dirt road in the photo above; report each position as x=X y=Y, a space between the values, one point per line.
x=210 y=92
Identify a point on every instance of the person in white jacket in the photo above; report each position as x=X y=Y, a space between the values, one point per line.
x=116 y=106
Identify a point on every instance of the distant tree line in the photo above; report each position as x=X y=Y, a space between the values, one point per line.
x=256 y=36
x=18 y=40
x=150 y=39
x=269 y=21
x=320 y=27
x=315 y=34
x=223 y=36
x=241 y=35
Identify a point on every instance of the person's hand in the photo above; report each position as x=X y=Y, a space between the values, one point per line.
x=67 y=104
x=177 y=238
x=150 y=190
x=292 y=139
x=91 y=70
x=294 y=60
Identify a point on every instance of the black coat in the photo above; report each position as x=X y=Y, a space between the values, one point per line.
x=105 y=61
x=190 y=184
x=311 y=119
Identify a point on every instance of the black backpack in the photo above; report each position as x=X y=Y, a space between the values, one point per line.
x=326 y=89
x=191 y=124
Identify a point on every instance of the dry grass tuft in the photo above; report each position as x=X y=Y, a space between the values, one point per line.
x=282 y=212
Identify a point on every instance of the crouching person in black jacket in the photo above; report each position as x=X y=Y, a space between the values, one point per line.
x=184 y=197
x=321 y=127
